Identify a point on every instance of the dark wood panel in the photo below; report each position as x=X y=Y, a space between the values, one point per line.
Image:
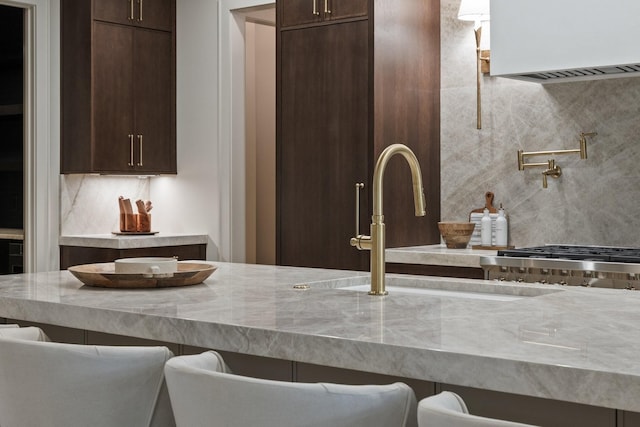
x=112 y=97
x=75 y=85
x=436 y=270
x=154 y=96
x=297 y=12
x=117 y=11
x=401 y=99
x=322 y=145
x=98 y=65
x=341 y=9
x=629 y=419
x=78 y=255
x=532 y=410
x=406 y=86
x=156 y=14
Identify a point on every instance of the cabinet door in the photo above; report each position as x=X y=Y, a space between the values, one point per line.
x=156 y=14
x=112 y=98
x=340 y=9
x=322 y=144
x=299 y=12
x=117 y=11
x=155 y=148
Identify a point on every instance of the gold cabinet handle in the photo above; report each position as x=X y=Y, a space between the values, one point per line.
x=131 y=10
x=130 y=150
x=326 y=7
x=315 y=8
x=140 y=10
x=140 y=142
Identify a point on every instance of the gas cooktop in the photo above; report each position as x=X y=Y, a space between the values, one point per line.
x=576 y=252
x=598 y=266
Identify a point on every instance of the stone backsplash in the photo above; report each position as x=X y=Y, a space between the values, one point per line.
x=595 y=201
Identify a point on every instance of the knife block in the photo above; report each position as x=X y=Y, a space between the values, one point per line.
x=143 y=223
x=131 y=223
x=128 y=222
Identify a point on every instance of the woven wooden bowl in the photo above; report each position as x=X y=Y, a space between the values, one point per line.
x=456 y=235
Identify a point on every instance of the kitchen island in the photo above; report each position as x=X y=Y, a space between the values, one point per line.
x=564 y=343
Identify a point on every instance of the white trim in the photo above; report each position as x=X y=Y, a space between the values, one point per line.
x=231 y=126
x=41 y=133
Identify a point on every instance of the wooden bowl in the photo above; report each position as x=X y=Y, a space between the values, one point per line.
x=456 y=235
x=104 y=275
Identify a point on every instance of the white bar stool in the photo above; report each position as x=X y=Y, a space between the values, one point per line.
x=70 y=385
x=447 y=409
x=204 y=393
x=31 y=333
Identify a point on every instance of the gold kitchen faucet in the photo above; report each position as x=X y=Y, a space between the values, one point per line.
x=376 y=241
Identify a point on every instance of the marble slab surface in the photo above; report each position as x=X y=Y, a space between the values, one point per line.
x=113 y=241
x=567 y=343
x=11 y=234
x=437 y=255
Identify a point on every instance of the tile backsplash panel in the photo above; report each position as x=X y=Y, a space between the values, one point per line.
x=89 y=203
x=595 y=201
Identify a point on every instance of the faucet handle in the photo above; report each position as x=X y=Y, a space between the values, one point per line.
x=360 y=241
x=583 y=143
x=359 y=186
x=554 y=171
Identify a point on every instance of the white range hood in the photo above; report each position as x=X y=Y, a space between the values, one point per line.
x=549 y=41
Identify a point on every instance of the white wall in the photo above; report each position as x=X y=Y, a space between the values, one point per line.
x=594 y=202
x=188 y=202
x=260 y=143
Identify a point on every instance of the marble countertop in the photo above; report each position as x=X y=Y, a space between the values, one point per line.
x=113 y=241
x=11 y=234
x=565 y=343
x=437 y=255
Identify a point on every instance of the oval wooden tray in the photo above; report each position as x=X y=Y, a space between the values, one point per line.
x=104 y=275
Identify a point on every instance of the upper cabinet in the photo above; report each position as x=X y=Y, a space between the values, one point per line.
x=118 y=87
x=547 y=41
x=300 y=12
x=155 y=14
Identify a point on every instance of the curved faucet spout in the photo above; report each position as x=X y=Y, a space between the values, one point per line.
x=376 y=241
x=416 y=178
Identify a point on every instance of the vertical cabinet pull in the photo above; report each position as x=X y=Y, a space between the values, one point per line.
x=315 y=8
x=130 y=150
x=131 y=10
x=139 y=10
x=327 y=10
x=140 y=142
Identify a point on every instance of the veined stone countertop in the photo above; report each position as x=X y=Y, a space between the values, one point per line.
x=566 y=343
x=113 y=241
x=11 y=234
x=437 y=255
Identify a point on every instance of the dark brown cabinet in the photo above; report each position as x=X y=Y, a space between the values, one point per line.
x=299 y=12
x=346 y=89
x=155 y=14
x=323 y=150
x=77 y=255
x=118 y=90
